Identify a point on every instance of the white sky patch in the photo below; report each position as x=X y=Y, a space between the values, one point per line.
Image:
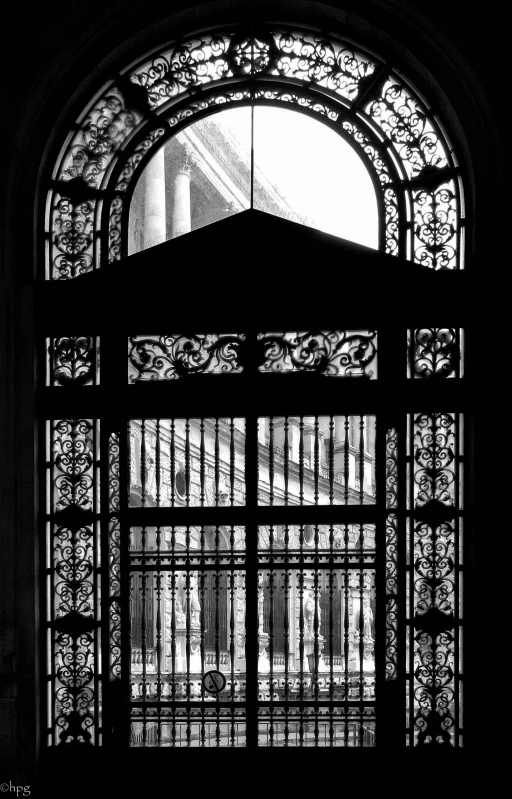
x=313 y=168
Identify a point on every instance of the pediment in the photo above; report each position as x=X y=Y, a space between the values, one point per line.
x=255 y=264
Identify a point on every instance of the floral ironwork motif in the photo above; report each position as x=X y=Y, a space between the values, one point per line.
x=163 y=85
x=434 y=459
x=407 y=125
x=434 y=579
x=341 y=353
x=435 y=352
x=72 y=227
x=391 y=468
x=74 y=614
x=435 y=227
x=434 y=621
x=72 y=360
x=114 y=555
x=329 y=64
x=73 y=482
x=170 y=357
x=391 y=554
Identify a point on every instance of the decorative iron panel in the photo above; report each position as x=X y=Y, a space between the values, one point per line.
x=325 y=75
x=72 y=361
x=435 y=352
x=340 y=353
x=434 y=609
x=391 y=554
x=171 y=357
x=73 y=577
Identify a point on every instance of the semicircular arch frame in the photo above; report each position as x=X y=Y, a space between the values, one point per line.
x=401 y=139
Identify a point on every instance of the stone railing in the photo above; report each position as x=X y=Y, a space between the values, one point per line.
x=137 y=659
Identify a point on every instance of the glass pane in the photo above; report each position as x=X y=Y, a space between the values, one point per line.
x=306 y=172
x=316 y=460
x=187 y=462
x=200 y=176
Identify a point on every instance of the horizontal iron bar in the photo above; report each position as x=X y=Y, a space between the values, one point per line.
x=201 y=705
x=262 y=515
x=234 y=396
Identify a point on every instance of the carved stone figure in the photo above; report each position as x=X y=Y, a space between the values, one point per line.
x=309 y=614
x=179 y=615
x=367 y=619
x=260 y=602
x=195 y=606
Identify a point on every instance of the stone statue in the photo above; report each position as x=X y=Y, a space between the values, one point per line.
x=260 y=602
x=195 y=606
x=367 y=619
x=179 y=615
x=309 y=614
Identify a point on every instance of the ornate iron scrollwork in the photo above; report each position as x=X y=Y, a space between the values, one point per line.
x=74 y=615
x=434 y=456
x=216 y=63
x=435 y=352
x=73 y=361
x=170 y=357
x=434 y=576
x=342 y=353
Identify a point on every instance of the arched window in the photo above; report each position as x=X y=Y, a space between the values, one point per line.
x=295 y=523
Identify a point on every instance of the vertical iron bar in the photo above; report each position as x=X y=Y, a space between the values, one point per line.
x=301 y=641
x=188 y=637
x=346 y=462
x=144 y=633
x=271 y=460
x=187 y=461
x=346 y=638
x=217 y=615
x=157 y=463
x=143 y=462
x=217 y=462
x=316 y=642
x=172 y=457
x=202 y=578
x=232 y=461
x=316 y=460
x=232 y=627
x=301 y=461
x=286 y=634
x=202 y=464
x=361 y=459
x=173 y=643
x=331 y=463
x=159 y=638
x=286 y=459
x=361 y=654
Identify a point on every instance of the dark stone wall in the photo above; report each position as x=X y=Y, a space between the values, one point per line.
x=54 y=55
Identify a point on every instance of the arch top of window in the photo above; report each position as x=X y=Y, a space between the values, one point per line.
x=272 y=159
x=394 y=132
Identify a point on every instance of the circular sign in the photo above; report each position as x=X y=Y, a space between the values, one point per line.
x=214 y=682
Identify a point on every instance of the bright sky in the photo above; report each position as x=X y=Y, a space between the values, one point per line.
x=313 y=168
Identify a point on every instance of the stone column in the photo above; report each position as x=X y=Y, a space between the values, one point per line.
x=181 y=219
x=154 y=201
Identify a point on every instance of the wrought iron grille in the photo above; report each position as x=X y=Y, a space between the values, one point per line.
x=398 y=135
x=314 y=559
